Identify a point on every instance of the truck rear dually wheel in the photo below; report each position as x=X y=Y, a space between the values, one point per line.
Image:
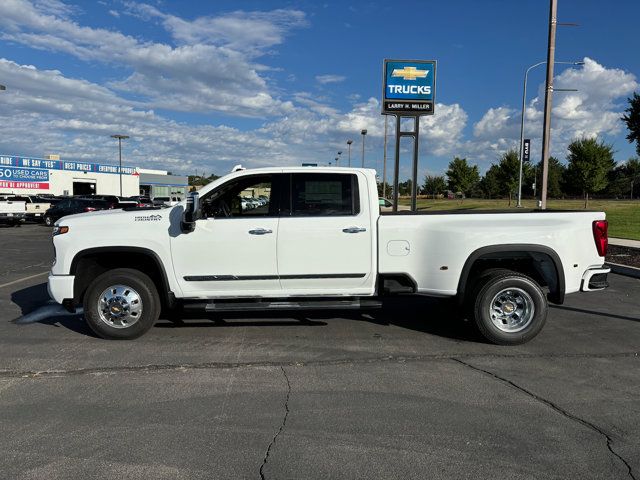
x=121 y=304
x=508 y=308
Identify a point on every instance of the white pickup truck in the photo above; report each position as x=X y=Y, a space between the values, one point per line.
x=12 y=212
x=34 y=206
x=320 y=241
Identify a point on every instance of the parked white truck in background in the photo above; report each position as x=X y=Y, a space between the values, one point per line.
x=12 y=212
x=320 y=241
x=34 y=206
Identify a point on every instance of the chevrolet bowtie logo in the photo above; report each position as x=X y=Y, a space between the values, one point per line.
x=409 y=73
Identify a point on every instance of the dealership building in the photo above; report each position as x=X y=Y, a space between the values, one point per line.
x=50 y=175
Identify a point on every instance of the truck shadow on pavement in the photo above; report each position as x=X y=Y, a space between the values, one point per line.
x=36 y=307
x=425 y=315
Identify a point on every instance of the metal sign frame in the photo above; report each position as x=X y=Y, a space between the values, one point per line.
x=415 y=134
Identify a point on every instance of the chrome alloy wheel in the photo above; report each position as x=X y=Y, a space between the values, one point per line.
x=120 y=306
x=511 y=310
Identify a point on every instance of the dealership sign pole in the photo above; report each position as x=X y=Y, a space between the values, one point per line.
x=408 y=91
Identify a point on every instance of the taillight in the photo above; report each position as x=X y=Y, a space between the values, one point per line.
x=89 y=209
x=600 y=235
x=140 y=205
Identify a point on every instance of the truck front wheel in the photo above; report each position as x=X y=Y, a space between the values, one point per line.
x=121 y=304
x=508 y=308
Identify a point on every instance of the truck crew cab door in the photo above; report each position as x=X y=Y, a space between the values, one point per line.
x=232 y=250
x=325 y=236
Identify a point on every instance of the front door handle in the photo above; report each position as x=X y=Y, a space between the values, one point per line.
x=354 y=229
x=260 y=231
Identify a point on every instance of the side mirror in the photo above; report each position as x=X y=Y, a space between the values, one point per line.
x=191 y=213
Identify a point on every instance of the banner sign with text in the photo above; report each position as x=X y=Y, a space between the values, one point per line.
x=409 y=87
x=526 y=150
x=28 y=163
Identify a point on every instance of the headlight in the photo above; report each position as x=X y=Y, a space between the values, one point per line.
x=60 y=230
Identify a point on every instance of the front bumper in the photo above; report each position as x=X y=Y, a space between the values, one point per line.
x=595 y=279
x=60 y=287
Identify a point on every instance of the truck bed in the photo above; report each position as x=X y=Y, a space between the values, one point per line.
x=434 y=247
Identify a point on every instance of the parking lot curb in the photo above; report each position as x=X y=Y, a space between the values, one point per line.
x=624 y=270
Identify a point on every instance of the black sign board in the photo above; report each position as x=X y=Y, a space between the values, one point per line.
x=526 y=150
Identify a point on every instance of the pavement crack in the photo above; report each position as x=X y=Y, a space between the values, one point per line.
x=556 y=408
x=284 y=422
x=150 y=368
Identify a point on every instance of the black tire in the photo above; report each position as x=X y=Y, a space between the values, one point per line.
x=493 y=287
x=48 y=221
x=145 y=291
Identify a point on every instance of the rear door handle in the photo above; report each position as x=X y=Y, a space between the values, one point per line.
x=260 y=231
x=354 y=229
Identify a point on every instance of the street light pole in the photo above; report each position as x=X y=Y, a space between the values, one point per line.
x=363 y=132
x=120 y=138
x=339 y=158
x=349 y=142
x=524 y=106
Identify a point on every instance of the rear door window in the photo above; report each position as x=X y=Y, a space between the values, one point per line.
x=324 y=195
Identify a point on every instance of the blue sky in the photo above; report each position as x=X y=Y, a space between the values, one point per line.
x=206 y=85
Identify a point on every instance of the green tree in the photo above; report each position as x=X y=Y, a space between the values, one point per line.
x=632 y=119
x=201 y=180
x=555 y=177
x=624 y=180
x=490 y=183
x=509 y=173
x=461 y=176
x=590 y=162
x=434 y=184
x=388 y=190
x=404 y=188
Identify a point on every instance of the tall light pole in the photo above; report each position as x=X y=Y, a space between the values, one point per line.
x=2 y=87
x=336 y=160
x=363 y=132
x=349 y=142
x=339 y=158
x=120 y=138
x=524 y=106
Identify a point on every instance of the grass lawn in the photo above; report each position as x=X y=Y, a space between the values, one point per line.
x=623 y=215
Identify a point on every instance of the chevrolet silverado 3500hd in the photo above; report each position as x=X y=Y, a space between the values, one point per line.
x=317 y=239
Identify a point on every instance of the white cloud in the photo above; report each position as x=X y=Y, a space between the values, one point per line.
x=330 y=78
x=594 y=110
x=240 y=31
x=211 y=69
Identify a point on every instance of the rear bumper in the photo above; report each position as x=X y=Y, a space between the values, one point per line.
x=595 y=279
x=60 y=287
x=12 y=219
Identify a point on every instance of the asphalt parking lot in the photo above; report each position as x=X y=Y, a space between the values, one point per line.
x=406 y=392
